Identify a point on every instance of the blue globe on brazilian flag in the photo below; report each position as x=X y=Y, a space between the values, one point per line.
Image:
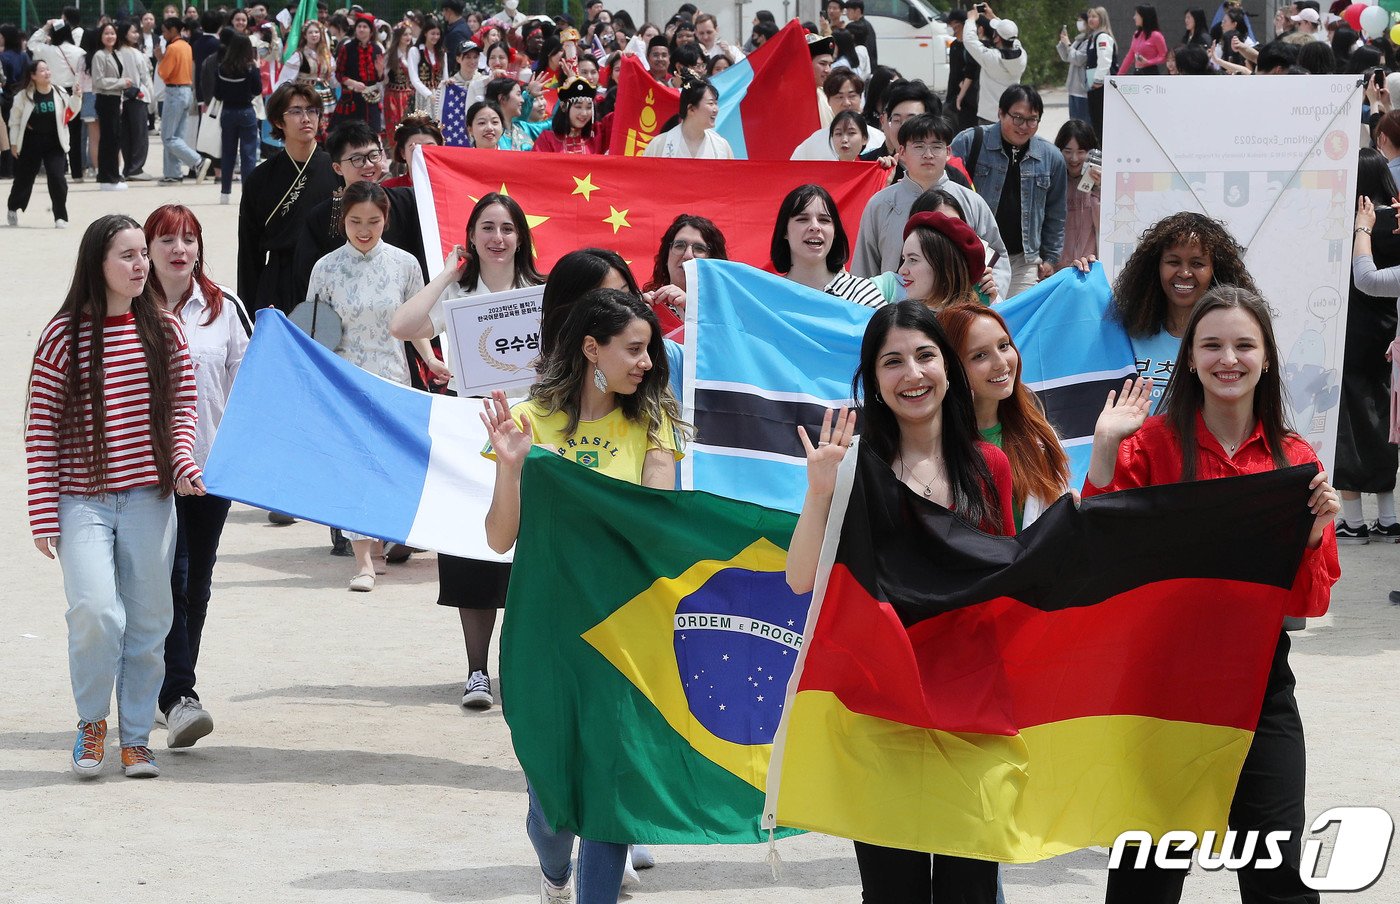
x=644 y=670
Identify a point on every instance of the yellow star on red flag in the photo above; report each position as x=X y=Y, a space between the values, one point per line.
x=617 y=218
x=530 y=219
x=584 y=187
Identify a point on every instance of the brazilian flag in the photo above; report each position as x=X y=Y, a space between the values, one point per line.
x=648 y=642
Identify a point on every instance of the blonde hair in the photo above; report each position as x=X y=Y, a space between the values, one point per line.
x=1104 y=25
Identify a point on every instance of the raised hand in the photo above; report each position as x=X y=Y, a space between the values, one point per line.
x=1365 y=213
x=510 y=442
x=825 y=457
x=1123 y=413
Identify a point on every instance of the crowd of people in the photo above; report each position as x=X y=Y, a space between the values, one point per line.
x=320 y=124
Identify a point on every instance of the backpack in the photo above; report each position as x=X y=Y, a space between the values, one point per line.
x=1091 y=59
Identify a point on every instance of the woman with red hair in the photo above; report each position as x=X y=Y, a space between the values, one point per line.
x=217 y=328
x=1009 y=415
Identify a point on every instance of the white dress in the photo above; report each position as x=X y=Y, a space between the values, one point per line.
x=365 y=290
x=672 y=144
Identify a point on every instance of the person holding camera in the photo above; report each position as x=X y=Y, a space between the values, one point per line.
x=1001 y=64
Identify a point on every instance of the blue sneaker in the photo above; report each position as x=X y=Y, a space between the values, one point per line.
x=88 y=748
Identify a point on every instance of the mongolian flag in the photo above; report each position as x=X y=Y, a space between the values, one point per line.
x=767 y=101
x=1015 y=698
x=648 y=640
x=574 y=201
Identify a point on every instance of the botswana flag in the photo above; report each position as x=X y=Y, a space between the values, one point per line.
x=1015 y=698
x=763 y=354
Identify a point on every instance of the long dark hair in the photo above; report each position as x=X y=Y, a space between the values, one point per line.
x=974 y=495
x=796 y=202
x=1138 y=299
x=85 y=309
x=661 y=272
x=239 y=56
x=573 y=276
x=1149 y=19
x=525 y=272
x=1373 y=179
x=1185 y=395
x=603 y=314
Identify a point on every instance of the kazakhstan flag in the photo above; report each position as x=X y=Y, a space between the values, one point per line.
x=648 y=642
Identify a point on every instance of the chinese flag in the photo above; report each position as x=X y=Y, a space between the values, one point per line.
x=578 y=201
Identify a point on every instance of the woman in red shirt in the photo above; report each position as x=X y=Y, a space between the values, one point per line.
x=1222 y=418
x=918 y=416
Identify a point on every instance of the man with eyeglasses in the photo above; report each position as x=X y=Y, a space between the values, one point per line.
x=1009 y=153
x=277 y=195
x=923 y=152
x=357 y=155
x=1001 y=64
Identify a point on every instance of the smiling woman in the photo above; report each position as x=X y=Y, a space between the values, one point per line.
x=809 y=246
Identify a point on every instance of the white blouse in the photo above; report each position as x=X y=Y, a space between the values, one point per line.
x=216 y=352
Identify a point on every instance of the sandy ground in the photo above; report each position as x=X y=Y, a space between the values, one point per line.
x=342 y=767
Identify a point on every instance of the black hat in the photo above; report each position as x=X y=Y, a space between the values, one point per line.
x=817 y=46
x=577 y=88
x=464 y=46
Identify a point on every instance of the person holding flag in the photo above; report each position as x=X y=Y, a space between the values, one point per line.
x=1225 y=417
x=918 y=415
x=695 y=135
x=606 y=381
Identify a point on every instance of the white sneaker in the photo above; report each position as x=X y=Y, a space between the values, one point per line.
x=60 y=224
x=201 y=170
x=477 y=693
x=630 y=879
x=12 y=217
x=187 y=722
x=553 y=894
x=225 y=199
x=641 y=856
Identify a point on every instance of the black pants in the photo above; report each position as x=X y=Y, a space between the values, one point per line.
x=199 y=524
x=892 y=876
x=136 y=140
x=109 y=146
x=76 y=134
x=1269 y=797
x=40 y=151
x=1096 y=110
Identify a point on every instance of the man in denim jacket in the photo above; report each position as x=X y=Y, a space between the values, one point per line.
x=1031 y=221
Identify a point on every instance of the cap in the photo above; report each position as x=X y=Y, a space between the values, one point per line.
x=465 y=46
x=1006 y=28
x=1307 y=15
x=577 y=88
x=959 y=233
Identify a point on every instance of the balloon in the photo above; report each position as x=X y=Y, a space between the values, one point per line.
x=1395 y=35
x=1353 y=15
x=1374 y=21
x=1369 y=2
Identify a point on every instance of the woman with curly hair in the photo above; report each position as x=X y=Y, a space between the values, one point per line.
x=1178 y=259
x=688 y=237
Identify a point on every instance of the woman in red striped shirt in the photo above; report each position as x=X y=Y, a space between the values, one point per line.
x=102 y=468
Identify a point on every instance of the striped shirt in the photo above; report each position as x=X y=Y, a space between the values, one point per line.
x=57 y=467
x=855 y=288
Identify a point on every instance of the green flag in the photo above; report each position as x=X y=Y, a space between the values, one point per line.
x=648 y=641
x=306 y=12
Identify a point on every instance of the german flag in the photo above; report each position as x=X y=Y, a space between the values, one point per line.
x=1015 y=698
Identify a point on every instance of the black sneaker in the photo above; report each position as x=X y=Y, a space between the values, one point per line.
x=1353 y=536
x=340 y=546
x=1385 y=533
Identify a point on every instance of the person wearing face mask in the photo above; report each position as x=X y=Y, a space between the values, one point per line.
x=1076 y=53
x=510 y=16
x=1001 y=65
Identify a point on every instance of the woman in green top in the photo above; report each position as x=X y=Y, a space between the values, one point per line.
x=1009 y=415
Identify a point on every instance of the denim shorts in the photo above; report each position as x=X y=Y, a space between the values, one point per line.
x=89 y=113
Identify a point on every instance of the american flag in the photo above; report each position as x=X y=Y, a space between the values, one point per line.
x=454 y=116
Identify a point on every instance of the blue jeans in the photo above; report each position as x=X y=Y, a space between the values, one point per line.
x=600 y=863
x=178 y=100
x=116 y=551
x=239 y=132
x=1079 y=108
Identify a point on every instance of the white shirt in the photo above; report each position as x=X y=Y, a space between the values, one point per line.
x=672 y=144
x=216 y=351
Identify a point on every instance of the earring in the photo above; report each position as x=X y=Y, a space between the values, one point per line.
x=1192 y=369
x=879 y=399
x=599 y=380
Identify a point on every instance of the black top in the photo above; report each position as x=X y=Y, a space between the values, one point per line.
x=42 y=123
x=238 y=93
x=1009 y=204
x=320 y=235
x=275 y=204
x=962 y=66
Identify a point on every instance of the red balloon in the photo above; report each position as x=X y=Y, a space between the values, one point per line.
x=1353 y=16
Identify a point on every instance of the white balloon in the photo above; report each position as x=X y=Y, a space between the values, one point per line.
x=1369 y=2
x=1374 y=21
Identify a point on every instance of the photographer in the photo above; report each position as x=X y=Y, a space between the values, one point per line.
x=1002 y=64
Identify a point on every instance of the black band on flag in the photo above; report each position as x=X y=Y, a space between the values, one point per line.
x=1074 y=409
x=742 y=420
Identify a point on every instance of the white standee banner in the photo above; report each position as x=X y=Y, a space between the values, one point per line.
x=1274 y=159
x=494 y=339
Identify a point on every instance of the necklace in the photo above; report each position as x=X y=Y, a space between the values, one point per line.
x=906 y=470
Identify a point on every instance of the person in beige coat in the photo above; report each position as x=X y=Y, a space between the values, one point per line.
x=39 y=137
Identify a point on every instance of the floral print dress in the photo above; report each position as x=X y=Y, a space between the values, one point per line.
x=365 y=290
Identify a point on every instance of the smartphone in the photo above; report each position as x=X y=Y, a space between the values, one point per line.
x=981 y=7
x=1095 y=161
x=1378 y=76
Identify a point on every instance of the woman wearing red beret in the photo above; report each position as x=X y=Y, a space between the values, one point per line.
x=941 y=262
